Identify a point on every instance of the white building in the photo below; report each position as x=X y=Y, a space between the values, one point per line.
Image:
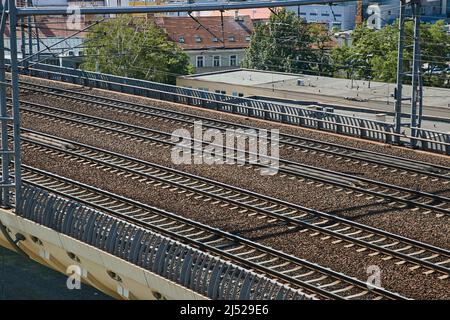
x=385 y=12
x=380 y=14
x=341 y=16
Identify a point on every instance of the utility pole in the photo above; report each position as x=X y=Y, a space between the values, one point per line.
x=15 y=116
x=416 y=76
x=399 y=88
x=416 y=86
x=30 y=30
x=5 y=152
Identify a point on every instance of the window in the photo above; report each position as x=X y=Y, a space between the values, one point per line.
x=325 y=14
x=303 y=13
x=198 y=39
x=313 y=14
x=215 y=39
x=200 y=61
x=240 y=94
x=233 y=60
x=216 y=61
x=232 y=38
x=248 y=38
x=181 y=39
x=338 y=15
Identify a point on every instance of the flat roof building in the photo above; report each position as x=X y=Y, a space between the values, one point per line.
x=308 y=88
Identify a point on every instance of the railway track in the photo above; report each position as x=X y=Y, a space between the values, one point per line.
x=329 y=227
x=322 y=283
x=381 y=192
x=362 y=157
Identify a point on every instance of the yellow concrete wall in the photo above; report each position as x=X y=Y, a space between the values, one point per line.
x=52 y=251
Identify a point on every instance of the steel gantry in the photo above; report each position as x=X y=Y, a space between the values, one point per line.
x=10 y=152
x=416 y=98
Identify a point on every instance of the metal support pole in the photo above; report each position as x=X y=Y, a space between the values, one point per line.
x=399 y=87
x=15 y=100
x=38 y=45
x=419 y=119
x=23 y=41
x=30 y=30
x=5 y=179
x=415 y=72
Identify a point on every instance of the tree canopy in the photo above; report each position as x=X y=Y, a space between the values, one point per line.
x=134 y=47
x=280 y=45
x=373 y=53
x=288 y=44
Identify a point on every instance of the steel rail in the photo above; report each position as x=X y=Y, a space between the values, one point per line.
x=336 y=150
x=322 y=121
x=372 y=238
x=345 y=181
x=272 y=262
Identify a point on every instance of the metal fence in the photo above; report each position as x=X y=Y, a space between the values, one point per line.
x=295 y=115
x=180 y=263
x=432 y=140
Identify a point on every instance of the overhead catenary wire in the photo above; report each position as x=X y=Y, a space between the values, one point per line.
x=322 y=63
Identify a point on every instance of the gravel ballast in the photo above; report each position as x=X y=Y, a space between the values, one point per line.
x=287 y=129
x=398 y=278
x=428 y=228
x=409 y=223
x=441 y=187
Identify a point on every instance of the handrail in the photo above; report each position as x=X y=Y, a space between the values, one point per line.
x=322 y=120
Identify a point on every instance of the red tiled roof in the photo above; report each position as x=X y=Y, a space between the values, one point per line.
x=196 y=37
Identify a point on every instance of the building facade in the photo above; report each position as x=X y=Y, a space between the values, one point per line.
x=340 y=16
x=382 y=12
x=210 y=45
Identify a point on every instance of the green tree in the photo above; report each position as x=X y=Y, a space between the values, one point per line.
x=435 y=51
x=321 y=44
x=134 y=47
x=342 y=58
x=283 y=44
x=373 y=53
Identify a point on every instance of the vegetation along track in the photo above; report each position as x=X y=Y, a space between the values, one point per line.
x=322 y=283
x=338 y=152
x=332 y=228
x=395 y=195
